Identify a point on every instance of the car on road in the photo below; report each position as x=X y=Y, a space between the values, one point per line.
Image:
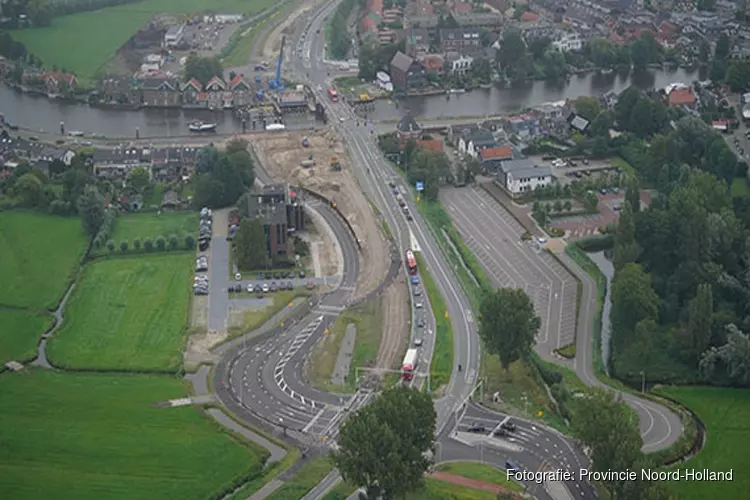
x=237 y=277
x=417 y=292
x=342 y=119
x=395 y=190
x=418 y=342
x=415 y=280
x=509 y=426
x=33 y=138
x=265 y=288
x=419 y=305
x=477 y=428
x=420 y=323
x=409 y=217
x=501 y=433
x=509 y=465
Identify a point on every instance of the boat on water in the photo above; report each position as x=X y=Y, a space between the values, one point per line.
x=202 y=127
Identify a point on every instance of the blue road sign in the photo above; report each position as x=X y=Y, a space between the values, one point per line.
x=420 y=186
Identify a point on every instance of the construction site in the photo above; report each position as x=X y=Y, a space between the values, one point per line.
x=317 y=160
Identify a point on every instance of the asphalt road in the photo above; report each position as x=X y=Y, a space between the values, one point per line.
x=493 y=235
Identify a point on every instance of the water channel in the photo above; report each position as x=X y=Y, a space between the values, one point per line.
x=608 y=270
x=43 y=115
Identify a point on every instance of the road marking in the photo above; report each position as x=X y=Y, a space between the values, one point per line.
x=314 y=419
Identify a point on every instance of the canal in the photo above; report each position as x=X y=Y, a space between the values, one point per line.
x=43 y=115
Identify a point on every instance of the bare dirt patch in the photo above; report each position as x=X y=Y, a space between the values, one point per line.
x=281 y=155
x=199 y=347
x=287 y=27
x=395 y=324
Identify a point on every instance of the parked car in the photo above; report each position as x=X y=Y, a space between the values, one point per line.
x=276 y=276
x=265 y=288
x=250 y=288
x=284 y=274
x=291 y=275
x=268 y=276
x=238 y=288
x=289 y=285
x=302 y=274
x=500 y=433
x=310 y=285
x=237 y=277
x=477 y=428
x=273 y=287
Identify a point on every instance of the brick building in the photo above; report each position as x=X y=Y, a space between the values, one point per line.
x=281 y=215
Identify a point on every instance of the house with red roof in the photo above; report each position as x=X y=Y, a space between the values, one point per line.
x=433 y=65
x=190 y=90
x=242 y=93
x=684 y=96
x=58 y=82
x=529 y=17
x=492 y=158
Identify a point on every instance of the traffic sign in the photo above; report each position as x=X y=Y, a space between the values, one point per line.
x=446 y=314
x=325 y=332
x=420 y=186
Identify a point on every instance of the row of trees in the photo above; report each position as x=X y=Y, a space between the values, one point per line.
x=222 y=177
x=339 y=38
x=148 y=244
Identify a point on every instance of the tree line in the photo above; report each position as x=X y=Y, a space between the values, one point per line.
x=339 y=37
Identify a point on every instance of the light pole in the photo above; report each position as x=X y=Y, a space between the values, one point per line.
x=438 y=451
x=643 y=382
x=481 y=451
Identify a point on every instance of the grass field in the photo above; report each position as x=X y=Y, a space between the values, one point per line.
x=442 y=355
x=21 y=333
x=76 y=436
x=304 y=480
x=84 y=42
x=126 y=314
x=480 y=472
x=152 y=225
x=740 y=188
x=726 y=415
x=367 y=319
x=252 y=320
x=39 y=254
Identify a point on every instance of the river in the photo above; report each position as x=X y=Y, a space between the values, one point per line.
x=43 y=115
x=499 y=100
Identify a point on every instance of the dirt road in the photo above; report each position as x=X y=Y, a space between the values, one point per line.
x=395 y=323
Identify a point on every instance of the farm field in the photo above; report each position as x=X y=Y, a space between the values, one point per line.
x=126 y=314
x=152 y=225
x=38 y=256
x=84 y=42
x=21 y=333
x=726 y=414
x=76 y=436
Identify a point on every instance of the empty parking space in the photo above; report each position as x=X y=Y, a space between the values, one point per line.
x=495 y=238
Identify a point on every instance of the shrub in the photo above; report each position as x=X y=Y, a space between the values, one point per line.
x=111 y=245
x=173 y=242
x=189 y=242
x=137 y=244
x=124 y=245
x=161 y=243
x=97 y=243
x=549 y=375
x=148 y=244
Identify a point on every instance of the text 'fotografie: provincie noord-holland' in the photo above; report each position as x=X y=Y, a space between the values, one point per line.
x=626 y=475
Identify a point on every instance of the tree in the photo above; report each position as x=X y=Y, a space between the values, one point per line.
x=512 y=55
x=148 y=244
x=202 y=68
x=250 y=251
x=738 y=77
x=588 y=107
x=639 y=54
x=508 y=324
x=632 y=195
x=704 y=51
x=601 y=125
x=189 y=242
x=29 y=187
x=633 y=299
x=173 y=242
x=568 y=205
x=721 y=51
x=73 y=181
x=700 y=318
x=384 y=446
x=91 y=208
x=111 y=245
x=161 y=243
x=139 y=179
x=558 y=206
x=485 y=37
x=124 y=245
x=626 y=247
x=590 y=202
x=136 y=244
x=734 y=355
x=607 y=428
x=237 y=145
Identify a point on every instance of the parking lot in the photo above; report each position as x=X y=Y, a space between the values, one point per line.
x=494 y=236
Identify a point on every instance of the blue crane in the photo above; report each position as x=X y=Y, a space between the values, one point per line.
x=277 y=84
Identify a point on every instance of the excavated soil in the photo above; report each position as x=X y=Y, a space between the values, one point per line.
x=281 y=155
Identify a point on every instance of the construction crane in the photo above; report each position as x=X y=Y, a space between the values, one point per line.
x=277 y=84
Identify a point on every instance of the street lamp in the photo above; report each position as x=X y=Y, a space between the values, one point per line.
x=438 y=451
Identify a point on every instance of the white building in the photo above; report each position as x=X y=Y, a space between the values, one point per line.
x=522 y=176
x=568 y=42
x=174 y=35
x=384 y=81
x=461 y=65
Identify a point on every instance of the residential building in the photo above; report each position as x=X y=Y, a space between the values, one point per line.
x=464 y=41
x=406 y=73
x=524 y=126
x=433 y=65
x=492 y=158
x=681 y=96
x=455 y=132
x=461 y=65
x=117 y=162
x=578 y=123
x=191 y=89
x=59 y=82
x=407 y=129
x=418 y=42
x=242 y=93
x=281 y=214
x=490 y=21
x=474 y=143
x=568 y=42
x=522 y=176
x=160 y=91
x=216 y=89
